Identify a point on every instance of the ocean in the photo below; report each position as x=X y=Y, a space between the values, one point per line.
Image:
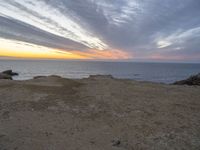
x=154 y=72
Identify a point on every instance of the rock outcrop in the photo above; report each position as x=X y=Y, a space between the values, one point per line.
x=193 y=80
x=8 y=74
x=5 y=76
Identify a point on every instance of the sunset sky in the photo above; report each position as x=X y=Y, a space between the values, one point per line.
x=160 y=30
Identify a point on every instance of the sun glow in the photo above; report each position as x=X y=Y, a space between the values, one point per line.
x=14 y=48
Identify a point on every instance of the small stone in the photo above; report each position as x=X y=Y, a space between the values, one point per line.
x=6 y=115
x=116 y=143
x=92 y=142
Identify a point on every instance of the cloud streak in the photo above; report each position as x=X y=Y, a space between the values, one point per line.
x=43 y=16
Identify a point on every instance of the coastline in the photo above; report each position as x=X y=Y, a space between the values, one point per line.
x=153 y=72
x=99 y=112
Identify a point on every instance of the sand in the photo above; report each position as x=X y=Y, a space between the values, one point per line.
x=98 y=113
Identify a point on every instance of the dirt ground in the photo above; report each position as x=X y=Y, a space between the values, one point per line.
x=98 y=113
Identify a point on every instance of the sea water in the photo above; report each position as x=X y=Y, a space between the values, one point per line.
x=155 y=72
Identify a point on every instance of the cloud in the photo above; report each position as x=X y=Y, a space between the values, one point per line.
x=14 y=48
x=138 y=28
x=45 y=17
x=180 y=37
x=113 y=54
x=17 y=30
x=163 y=44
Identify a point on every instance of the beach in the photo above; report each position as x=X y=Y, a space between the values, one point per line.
x=98 y=113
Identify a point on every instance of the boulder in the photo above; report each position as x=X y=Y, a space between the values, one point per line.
x=5 y=76
x=193 y=80
x=10 y=72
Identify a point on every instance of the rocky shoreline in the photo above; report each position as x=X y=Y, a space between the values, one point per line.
x=98 y=113
x=192 y=80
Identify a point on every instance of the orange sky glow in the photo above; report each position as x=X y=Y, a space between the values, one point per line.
x=11 y=48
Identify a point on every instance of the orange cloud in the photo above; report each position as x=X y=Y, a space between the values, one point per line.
x=20 y=49
x=104 y=54
x=60 y=54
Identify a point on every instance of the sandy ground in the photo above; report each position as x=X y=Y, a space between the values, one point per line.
x=98 y=113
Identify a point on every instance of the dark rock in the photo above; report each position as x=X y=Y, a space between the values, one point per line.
x=54 y=76
x=10 y=72
x=39 y=77
x=116 y=142
x=7 y=72
x=101 y=77
x=6 y=115
x=51 y=76
x=193 y=80
x=15 y=74
x=5 y=76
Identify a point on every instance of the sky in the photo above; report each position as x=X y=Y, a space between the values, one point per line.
x=138 y=30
